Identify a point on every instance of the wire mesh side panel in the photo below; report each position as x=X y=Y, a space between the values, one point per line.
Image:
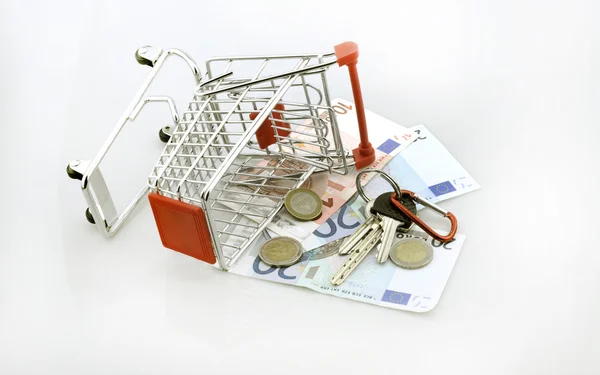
x=303 y=122
x=245 y=201
x=191 y=156
x=251 y=185
x=215 y=158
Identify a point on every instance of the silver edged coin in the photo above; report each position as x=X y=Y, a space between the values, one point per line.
x=411 y=253
x=281 y=251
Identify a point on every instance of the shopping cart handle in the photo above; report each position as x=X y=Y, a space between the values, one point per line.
x=102 y=211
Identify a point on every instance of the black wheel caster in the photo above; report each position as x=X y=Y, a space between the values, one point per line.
x=164 y=137
x=73 y=174
x=89 y=217
x=141 y=59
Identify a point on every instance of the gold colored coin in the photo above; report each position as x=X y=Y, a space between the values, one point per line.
x=303 y=204
x=411 y=253
x=281 y=251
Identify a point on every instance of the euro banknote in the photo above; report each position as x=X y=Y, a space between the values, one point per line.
x=425 y=167
x=335 y=189
x=384 y=284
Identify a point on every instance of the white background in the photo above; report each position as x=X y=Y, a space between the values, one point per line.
x=510 y=87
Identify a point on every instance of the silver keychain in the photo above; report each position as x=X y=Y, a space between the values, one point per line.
x=377 y=230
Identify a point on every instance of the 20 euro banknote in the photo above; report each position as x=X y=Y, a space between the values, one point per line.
x=384 y=284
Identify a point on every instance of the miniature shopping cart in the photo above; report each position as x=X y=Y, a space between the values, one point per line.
x=255 y=128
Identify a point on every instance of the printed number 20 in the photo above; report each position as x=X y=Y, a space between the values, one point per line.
x=280 y=272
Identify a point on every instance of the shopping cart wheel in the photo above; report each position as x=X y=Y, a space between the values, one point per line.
x=165 y=134
x=73 y=173
x=88 y=216
x=147 y=55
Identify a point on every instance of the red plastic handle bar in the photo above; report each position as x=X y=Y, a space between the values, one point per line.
x=347 y=55
x=415 y=219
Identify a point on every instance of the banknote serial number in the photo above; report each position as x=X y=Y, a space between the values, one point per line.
x=348 y=292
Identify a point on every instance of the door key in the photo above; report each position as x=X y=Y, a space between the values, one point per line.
x=359 y=235
x=357 y=256
x=391 y=220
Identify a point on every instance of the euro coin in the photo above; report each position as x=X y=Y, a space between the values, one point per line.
x=280 y=251
x=411 y=253
x=303 y=204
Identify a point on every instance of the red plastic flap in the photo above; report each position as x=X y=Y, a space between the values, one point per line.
x=265 y=135
x=182 y=227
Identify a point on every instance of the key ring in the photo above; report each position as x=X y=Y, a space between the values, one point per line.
x=421 y=223
x=385 y=176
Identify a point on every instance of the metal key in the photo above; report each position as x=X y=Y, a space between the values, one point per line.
x=357 y=256
x=391 y=220
x=359 y=235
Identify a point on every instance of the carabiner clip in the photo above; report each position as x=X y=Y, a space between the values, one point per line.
x=453 y=222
